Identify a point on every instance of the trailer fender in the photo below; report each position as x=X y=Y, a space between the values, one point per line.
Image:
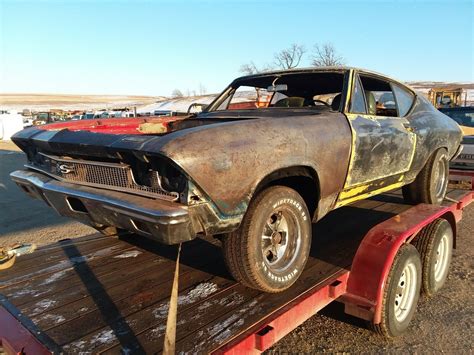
x=375 y=255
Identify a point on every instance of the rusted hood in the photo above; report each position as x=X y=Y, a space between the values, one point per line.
x=116 y=125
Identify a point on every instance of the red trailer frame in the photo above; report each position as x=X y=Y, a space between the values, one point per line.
x=360 y=289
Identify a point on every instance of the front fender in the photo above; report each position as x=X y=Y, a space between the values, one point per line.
x=228 y=160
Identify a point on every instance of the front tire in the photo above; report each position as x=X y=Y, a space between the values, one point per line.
x=270 y=249
x=431 y=184
x=401 y=293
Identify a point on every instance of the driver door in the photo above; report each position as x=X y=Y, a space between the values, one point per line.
x=383 y=144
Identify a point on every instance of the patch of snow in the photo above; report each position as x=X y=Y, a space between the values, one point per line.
x=220 y=331
x=128 y=254
x=104 y=337
x=42 y=306
x=200 y=291
x=56 y=319
x=55 y=276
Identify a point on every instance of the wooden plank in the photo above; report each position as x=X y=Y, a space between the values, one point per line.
x=147 y=290
x=230 y=324
x=67 y=278
x=75 y=258
x=30 y=263
x=194 y=288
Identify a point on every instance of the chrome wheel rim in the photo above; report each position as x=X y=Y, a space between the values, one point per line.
x=442 y=257
x=440 y=178
x=406 y=292
x=281 y=240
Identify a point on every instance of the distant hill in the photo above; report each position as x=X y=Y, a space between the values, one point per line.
x=45 y=102
x=39 y=102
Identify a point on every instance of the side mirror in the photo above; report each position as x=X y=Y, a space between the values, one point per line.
x=277 y=88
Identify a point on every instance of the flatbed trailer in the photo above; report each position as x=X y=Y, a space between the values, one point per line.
x=105 y=294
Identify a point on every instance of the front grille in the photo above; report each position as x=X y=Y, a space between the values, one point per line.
x=111 y=176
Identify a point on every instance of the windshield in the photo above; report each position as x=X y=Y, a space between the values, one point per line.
x=282 y=90
x=463 y=118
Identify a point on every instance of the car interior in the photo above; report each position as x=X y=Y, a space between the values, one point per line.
x=379 y=97
x=301 y=90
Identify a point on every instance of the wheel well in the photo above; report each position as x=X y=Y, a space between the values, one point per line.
x=302 y=179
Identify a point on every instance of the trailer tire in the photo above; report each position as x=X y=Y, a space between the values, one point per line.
x=270 y=249
x=401 y=293
x=431 y=184
x=435 y=245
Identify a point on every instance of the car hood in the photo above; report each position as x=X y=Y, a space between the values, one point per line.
x=106 y=138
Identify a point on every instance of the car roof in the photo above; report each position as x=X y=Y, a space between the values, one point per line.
x=340 y=68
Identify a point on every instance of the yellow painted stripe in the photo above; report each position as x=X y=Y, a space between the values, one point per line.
x=375 y=192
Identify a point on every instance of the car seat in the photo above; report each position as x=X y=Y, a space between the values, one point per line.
x=293 y=101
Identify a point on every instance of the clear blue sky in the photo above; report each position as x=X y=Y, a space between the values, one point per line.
x=153 y=47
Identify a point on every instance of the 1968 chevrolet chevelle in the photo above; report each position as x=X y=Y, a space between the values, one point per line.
x=271 y=154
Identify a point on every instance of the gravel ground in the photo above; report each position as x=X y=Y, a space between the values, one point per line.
x=443 y=324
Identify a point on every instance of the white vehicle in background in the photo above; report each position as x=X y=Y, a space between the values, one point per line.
x=27 y=121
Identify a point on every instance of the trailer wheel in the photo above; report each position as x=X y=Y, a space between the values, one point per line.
x=270 y=249
x=401 y=293
x=431 y=183
x=435 y=245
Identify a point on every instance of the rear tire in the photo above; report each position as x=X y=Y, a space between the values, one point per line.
x=401 y=293
x=435 y=245
x=431 y=183
x=270 y=249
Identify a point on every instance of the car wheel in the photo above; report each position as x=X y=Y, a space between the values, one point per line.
x=270 y=249
x=431 y=183
x=435 y=245
x=401 y=293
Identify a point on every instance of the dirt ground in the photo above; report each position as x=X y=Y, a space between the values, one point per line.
x=443 y=324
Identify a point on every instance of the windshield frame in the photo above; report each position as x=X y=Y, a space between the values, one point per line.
x=230 y=90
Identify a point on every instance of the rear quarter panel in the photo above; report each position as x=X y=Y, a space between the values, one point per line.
x=434 y=130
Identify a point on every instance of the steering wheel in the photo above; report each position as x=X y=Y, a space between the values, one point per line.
x=323 y=102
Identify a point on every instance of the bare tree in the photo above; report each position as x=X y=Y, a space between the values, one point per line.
x=176 y=93
x=326 y=55
x=202 y=89
x=249 y=68
x=290 y=57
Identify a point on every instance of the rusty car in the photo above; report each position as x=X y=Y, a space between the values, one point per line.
x=272 y=154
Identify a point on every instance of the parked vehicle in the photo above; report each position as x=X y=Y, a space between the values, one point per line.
x=464 y=116
x=256 y=177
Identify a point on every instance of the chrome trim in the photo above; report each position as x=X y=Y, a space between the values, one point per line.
x=118 y=200
x=168 y=222
x=137 y=189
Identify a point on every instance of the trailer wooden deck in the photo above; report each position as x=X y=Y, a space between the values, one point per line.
x=104 y=294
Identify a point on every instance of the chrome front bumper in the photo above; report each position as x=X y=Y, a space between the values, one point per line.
x=168 y=222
